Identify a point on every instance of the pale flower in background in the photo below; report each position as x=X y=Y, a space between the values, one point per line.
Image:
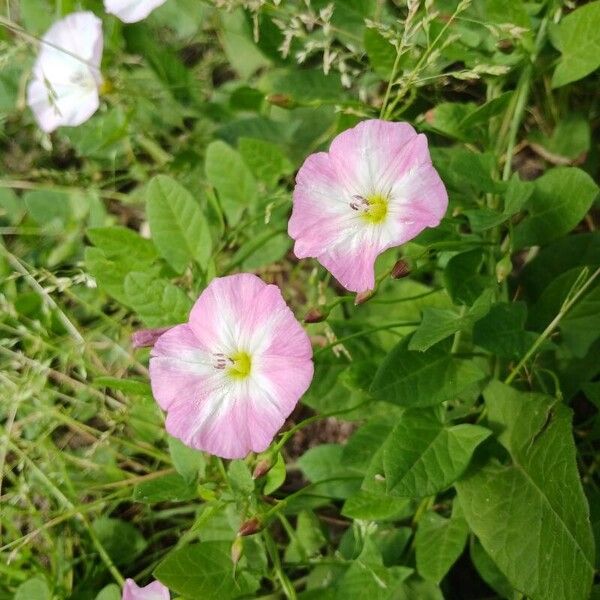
x=375 y=189
x=153 y=591
x=131 y=11
x=230 y=377
x=66 y=74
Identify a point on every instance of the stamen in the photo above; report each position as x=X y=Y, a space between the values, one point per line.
x=221 y=361
x=359 y=203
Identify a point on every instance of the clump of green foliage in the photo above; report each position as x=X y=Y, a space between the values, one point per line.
x=448 y=445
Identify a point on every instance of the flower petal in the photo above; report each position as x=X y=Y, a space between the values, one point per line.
x=179 y=366
x=66 y=74
x=362 y=154
x=131 y=11
x=153 y=591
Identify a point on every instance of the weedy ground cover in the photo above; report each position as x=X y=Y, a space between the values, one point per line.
x=412 y=413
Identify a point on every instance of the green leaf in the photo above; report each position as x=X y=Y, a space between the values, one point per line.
x=412 y=378
x=324 y=462
x=305 y=86
x=422 y=456
x=229 y=175
x=102 y=138
x=381 y=53
x=570 y=140
x=109 y=592
x=531 y=516
x=266 y=160
x=189 y=462
x=463 y=281
x=490 y=573
x=364 y=442
x=438 y=544
x=367 y=577
x=204 y=571
x=11 y=206
x=35 y=588
x=578 y=39
x=309 y=538
x=561 y=199
x=276 y=476
x=121 y=243
x=166 y=488
x=157 y=301
x=178 y=226
x=240 y=478
x=46 y=206
x=437 y=323
x=502 y=331
x=482 y=114
x=370 y=506
x=121 y=539
x=447 y=117
x=129 y=386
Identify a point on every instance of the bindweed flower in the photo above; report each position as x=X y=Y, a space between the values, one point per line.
x=230 y=377
x=131 y=11
x=375 y=189
x=66 y=74
x=153 y=591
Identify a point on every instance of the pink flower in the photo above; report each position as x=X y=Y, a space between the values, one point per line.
x=131 y=11
x=153 y=591
x=374 y=189
x=66 y=74
x=230 y=377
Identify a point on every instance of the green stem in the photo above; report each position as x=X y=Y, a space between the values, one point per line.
x=523 y=88
x=552 y=326
x=366 y=332
x=286 y=584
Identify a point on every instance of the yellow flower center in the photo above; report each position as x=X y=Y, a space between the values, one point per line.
x=376 y=209
x=242 y=364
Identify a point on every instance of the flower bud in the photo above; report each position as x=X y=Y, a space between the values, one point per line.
x=237 y=549
x=262 y=468
x=249 y=527
x=504 y=268
x=281 y=100
x=401 y=269
x=314 y=315
x=143 y=338
x=362 y=297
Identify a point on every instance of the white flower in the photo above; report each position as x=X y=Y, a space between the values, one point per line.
x=66 y=74
x=131 y=11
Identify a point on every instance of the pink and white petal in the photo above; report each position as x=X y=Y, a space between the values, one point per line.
x=413 y=155
x=362 y=153
x=284 y=378
x=353 y=267
x=131 y=11
x=226 y=309
x=218 y=426
x=238 y=312
x=320 y=202
x=153 y=591
x=420 y=196
x=179 y=367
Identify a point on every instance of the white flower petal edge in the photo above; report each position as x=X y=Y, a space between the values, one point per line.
x=131 y=11
x=66 y=73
